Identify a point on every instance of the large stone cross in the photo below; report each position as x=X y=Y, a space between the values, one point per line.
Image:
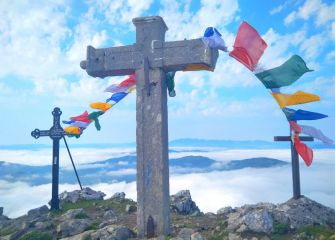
x=150 y=58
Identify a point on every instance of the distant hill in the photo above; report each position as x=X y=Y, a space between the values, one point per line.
x=124 y=169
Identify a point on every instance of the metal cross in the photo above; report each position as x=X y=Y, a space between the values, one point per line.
x=150 y=58
x=294 y=161
x=56 y=132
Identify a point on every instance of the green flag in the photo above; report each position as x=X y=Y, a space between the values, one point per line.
x=285 y=74
x=170 y=83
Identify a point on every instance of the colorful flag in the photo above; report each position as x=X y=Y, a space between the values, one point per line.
x=129 y=82
x=170 y=83
x=116 y=97
x=303 y=150
x=94 y=117
x=213 y=39
x=83 y=117
x=80 y=124
x=295 y=115
x=311 y=131
x=73 y=130
x=101 y=106
x=248 y=46
x=295 y=127
x=285 y=74
x=293 y=99
x=123 y=86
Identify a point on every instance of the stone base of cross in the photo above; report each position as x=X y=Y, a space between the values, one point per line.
x=150 y=58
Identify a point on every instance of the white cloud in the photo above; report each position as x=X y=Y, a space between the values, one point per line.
x=332 y=33
x=313 y=45
x=290 y=18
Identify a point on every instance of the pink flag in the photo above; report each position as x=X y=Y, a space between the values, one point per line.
x=129 y=82
x=82 y=118
x=303 y=150
x=295 y=126
x=248 y=46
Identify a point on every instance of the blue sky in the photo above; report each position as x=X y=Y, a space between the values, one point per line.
x=43 y=42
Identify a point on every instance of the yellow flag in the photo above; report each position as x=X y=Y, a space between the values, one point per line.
x=73 y=130
x=101 y=106
x=293 y=99
x=197 y=67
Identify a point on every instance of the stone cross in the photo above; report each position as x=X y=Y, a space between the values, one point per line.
x=150 y=58
x=294 y=161
x=56 y=132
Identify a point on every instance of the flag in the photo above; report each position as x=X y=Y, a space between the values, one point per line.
x=73 y=130
x=101 y=106
x=248 y=46
x=170 y=83
x=285 y=74
x=83 y=117
x=94 y=117
x=295 y=115
x=116 y=97
x=123 y=86
x=197 y=67
x=311 y=131
x=79 y=124
x=213 y=39
x=303 y=150
x=293 y=99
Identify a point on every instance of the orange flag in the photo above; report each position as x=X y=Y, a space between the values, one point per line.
x=293 y=99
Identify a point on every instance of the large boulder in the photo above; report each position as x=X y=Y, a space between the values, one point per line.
x=74 y=214
x=73 y=227
x=182 y=203
x=113 y=232
x=85 y=194
x=304 y=211
x=119 y=196
x=38 y=212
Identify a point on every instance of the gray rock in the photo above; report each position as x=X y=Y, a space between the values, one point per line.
x=85 y=194
x=44 y=225
x=259 y=221
x=130 y=208
x=82 y=236
x=110 y=217
x=38 y=212
x=185 y=233
x=118 y=196
x=182 y=203
x=196 y=236
x=113 y=232
x=73 y=227
x=304 y=211
x=234 y=236
x=225 y=210
x=73 y=213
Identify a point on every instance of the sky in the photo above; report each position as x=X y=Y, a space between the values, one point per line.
x=43 y=42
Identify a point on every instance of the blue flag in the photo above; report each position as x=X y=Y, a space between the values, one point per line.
x=116 y=97
x=295 y=115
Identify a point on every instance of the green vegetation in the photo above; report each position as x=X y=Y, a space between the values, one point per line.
x=36 y=236
x=81 y=216
x=7 y=231
x=280 y=228
x=317 y=231
x=94 y=225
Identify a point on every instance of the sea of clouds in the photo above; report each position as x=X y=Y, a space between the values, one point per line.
x=210 y=191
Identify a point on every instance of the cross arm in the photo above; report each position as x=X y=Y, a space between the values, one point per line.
x=288 y=138
x=40 y=133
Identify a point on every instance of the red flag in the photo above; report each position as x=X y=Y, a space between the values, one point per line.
x=304 y=151
x=248 y=46
x=295 y=126
x=82 y=118
x=129 y=82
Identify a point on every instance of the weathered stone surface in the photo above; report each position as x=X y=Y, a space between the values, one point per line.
x=118 y=196
x=37 y=212
x=233 y=236
x=110 y=216
x=43 y=225
x=185 y=233
x=130 y=208
x=81 y=236
x=113 y=232
x=73 y=227
x=85 y=194
x=73 y=213
x=196 y=236
x=225 y=210
x=182 y=203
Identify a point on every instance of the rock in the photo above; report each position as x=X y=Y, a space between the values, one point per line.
x=82 y=236
x=73 y=214
x=113 y=232
x=118 y=196
x=72 y=227
x=130 y=208
x=225 y=210
x=332 y=237
x=38 y=212
x=44 y=225
x=304 y=211
x=182 y=203
x=110 y=217
x=259 y=222
x=233 y=236
x=85 y=194
x=185 y=233
x=196 y=236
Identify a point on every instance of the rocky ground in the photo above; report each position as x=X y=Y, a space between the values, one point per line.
x=85 y=215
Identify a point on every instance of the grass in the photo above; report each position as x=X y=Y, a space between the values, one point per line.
x=317 y=231
x=81 y=216
x=36 y=236
x=94 y=225
x=280 y=228
x=7 y=231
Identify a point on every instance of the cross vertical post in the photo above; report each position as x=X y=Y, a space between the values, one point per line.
x=294 y=161
x=56 y=132
x=150 y=58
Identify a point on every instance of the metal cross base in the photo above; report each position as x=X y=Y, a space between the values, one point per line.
x=56 y=132
x=150 y=58
x=294 y=161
